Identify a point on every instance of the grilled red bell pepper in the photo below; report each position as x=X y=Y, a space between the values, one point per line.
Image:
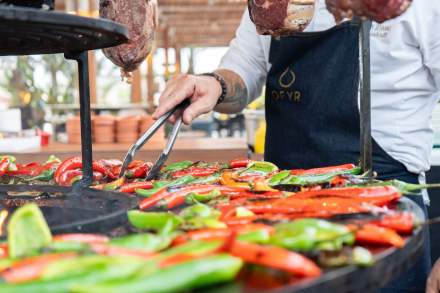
x=82 y=238
x=139 y=171
x=375 y=235
x=31 y=268
x=4 y=165
x=239 y=163
x=69 y=164
x=365 y=193
x=401 y=222
x=324 y=170
x=275 y=257
x=31 y=169
x=69 y=177
x=177 y=197
x=319 y=207
x=74 y=164
x=220 y=234
x=4 y=250
x=195 y=171
x=131 y=187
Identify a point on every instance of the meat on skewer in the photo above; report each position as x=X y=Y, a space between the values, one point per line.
x=281 y=17
x=377 y=10
x=140 y=16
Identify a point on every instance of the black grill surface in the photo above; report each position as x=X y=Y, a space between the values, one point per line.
x=27 y=31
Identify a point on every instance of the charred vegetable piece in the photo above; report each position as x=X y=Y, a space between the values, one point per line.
x=358 y=256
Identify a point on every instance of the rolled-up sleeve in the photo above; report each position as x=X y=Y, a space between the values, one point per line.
x=246 y=57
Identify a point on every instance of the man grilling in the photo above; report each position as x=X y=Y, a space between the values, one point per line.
x=312 y=83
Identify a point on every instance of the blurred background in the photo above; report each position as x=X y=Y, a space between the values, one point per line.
x=39 y=94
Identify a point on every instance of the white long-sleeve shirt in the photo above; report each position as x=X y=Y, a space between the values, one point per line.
x=405 y=74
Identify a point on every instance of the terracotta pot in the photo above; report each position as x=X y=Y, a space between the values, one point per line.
x=104 y=129
x=145 y=123
x=127 y=129
x=73 y=128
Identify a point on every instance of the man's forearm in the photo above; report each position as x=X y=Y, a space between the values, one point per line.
x=236 y=97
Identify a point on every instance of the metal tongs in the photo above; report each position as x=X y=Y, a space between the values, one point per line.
x=154 y=171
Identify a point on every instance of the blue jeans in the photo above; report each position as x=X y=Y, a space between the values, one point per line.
x=414 y=280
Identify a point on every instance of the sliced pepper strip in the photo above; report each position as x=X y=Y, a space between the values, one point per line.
x=171 y=199
x=131 y=187
x=401 y=223
x=111 y=186
x=195 y=171
x=82 y=238
x=31 y=268
x=4 y=165
x=375 y=235
x=325 y=170
x=239 y=163
x=228 y=179
x=275 y=257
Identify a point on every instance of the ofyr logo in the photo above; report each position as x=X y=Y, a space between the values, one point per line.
x=286 y=81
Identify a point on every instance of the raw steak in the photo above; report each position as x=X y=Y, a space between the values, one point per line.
x=281 y=17
x=377 y=10
x=140 y=16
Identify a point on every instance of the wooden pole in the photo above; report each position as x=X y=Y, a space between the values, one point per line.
x=136 y=88
x=178 y=64
x=166 y=47
x=150 y=81
x=91 y=6
x=92 y=77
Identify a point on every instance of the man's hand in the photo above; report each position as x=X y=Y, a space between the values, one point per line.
x=203 y=93
x=433 y=284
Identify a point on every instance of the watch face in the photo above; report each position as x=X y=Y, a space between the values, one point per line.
x=41 y=4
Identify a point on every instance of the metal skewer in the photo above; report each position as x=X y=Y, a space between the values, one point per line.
x=365 y=98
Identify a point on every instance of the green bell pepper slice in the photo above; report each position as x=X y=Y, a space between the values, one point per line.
x=147 y=242
x=312 y=234
x=153 y=220
x=260 y=167
x=27 y=231
x=177 y=166
x=193 y=274
x=159 y=185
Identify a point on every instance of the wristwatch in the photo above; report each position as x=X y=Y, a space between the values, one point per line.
x=223 y=85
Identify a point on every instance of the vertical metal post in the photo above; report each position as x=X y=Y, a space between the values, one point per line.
x=365 y=98
x=85 y=114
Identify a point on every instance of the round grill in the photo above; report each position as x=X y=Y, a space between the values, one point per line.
x=25 y=31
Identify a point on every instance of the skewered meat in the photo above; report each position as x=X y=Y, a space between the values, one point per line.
x=377 y=10
x=140 y=16
x=281 y=17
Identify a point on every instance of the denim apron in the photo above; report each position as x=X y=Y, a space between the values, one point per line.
x=313 y=116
